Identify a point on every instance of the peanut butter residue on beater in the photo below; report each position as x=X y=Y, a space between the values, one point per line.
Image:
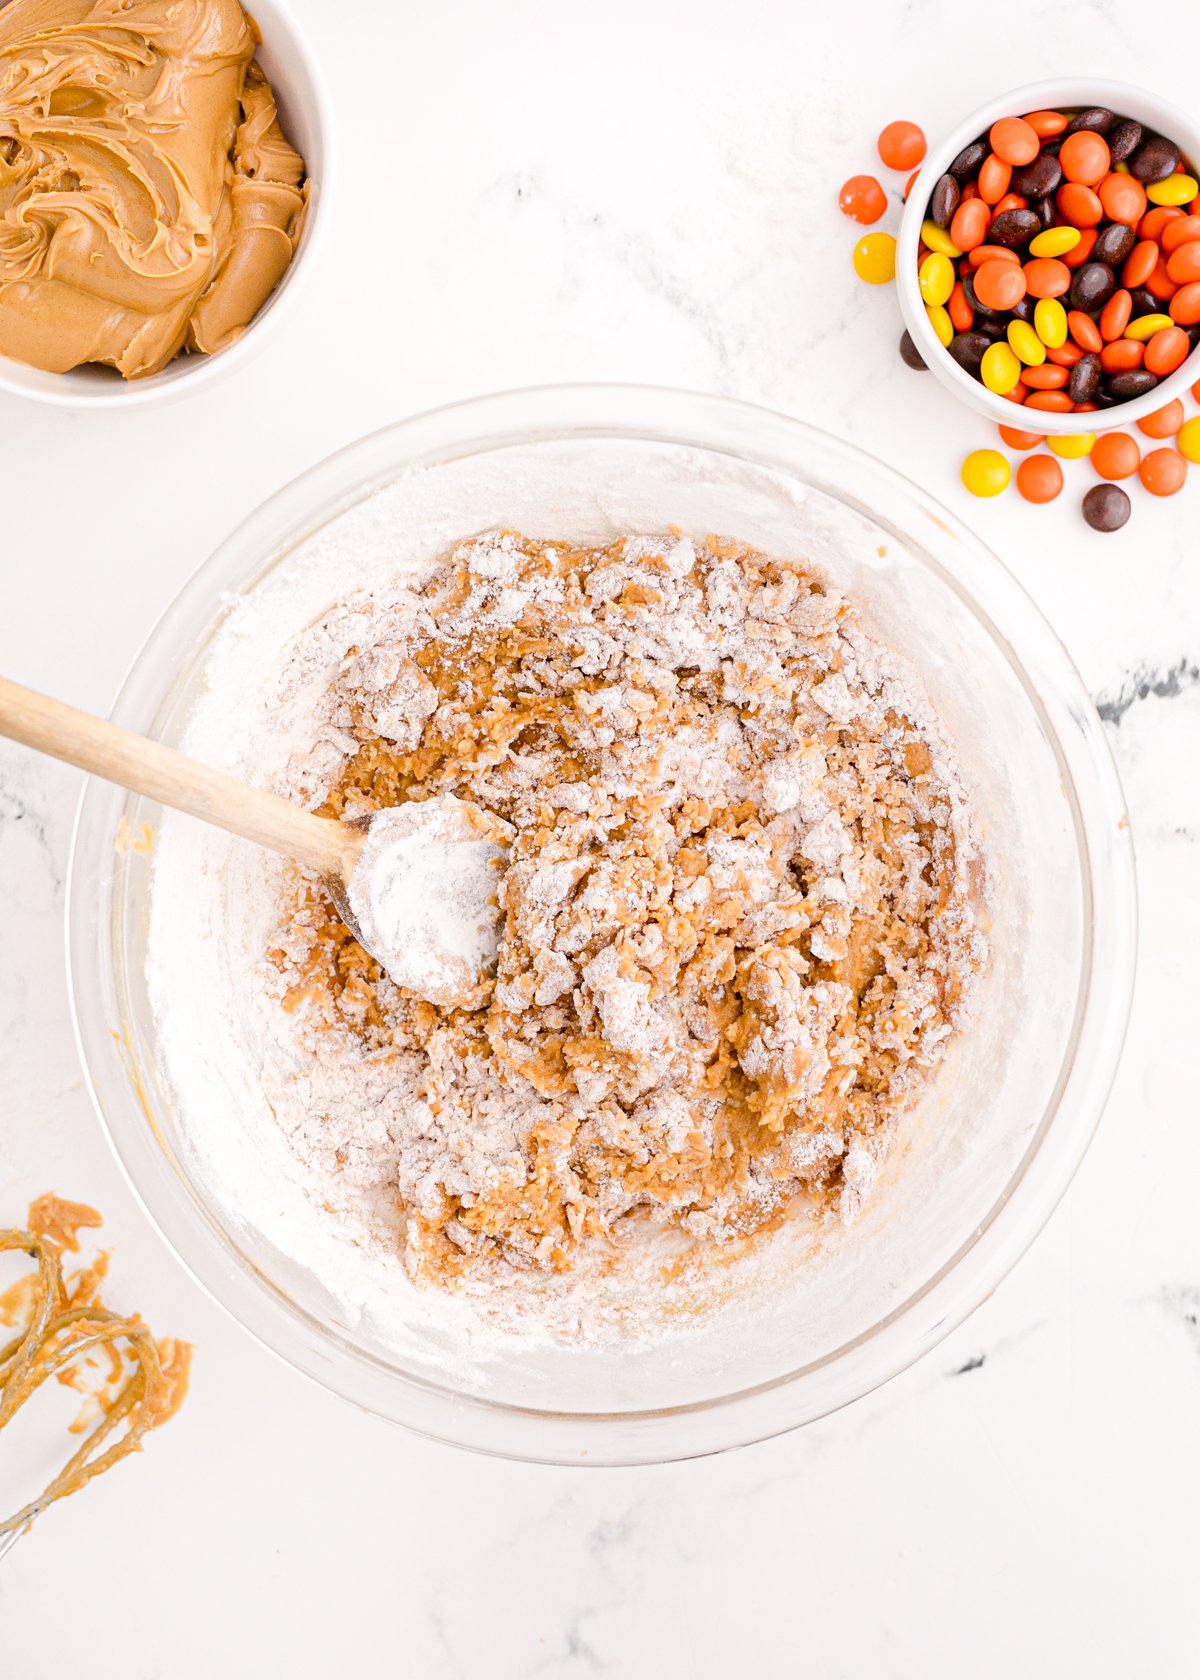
x=130 y=1382
x=149 y=201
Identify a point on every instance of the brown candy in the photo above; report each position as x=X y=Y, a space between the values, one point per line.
x=1106 y=507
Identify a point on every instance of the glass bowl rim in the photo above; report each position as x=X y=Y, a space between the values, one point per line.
x=1074 y=731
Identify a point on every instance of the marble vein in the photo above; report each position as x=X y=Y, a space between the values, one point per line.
x=1144 y=682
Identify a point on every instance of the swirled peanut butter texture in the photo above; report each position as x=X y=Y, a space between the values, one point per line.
x=149 y=200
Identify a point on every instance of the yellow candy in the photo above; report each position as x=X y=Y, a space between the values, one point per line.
x=1054 y=241
x=1188 y=441
x=941 y=323
x=1050 y=322
x=1176 y=189
x=936 y=279
x=1000 y=370
x=937 y=239
x=1026 y=344
x=1145 y=327
x=1072 y=448
x=985 y=472
x=875 y=258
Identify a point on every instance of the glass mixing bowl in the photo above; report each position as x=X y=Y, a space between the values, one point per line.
x=997 y=1138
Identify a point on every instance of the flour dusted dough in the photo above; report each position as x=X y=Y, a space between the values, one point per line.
x=739 y=919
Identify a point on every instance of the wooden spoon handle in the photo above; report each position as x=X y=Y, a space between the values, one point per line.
x=146 y=766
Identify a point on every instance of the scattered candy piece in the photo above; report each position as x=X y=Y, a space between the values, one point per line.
x=1116 y=455
x=1164 y=422
x=875 y=258
x=902 y=145
x=1105 y=507
x=1188 y=441
x=985 y=472
x=910 y=355
x=1163 y=471
x=862 y=199
x=1019 y=440
x=1039 y=478
x=1074 y=446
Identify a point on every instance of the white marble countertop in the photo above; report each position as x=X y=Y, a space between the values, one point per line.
x=643 y=190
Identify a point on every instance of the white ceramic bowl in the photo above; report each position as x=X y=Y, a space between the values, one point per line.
x=295 y=75
x=1146 y=108
x=997 y=1139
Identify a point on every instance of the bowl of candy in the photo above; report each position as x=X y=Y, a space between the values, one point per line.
x=1048 y=260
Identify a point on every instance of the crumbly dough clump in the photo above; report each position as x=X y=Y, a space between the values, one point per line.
x=739 y=917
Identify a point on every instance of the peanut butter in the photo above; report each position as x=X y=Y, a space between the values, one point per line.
x=149 y=201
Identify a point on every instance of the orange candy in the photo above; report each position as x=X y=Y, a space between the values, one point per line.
x=1046 y=277
x=1114 y=317
x=1115 y=455
x=1052 y=402
x=1154 y=221
x=1122 y=356
x=1019 y=440
x=1166 y=351
x=1160 y=284
x=1079 y=254
x=1140 y=264
x=910 y=184
x=960 y=311
x=1010 y=201
x=993 y=179
x=1039 y=478
x=862 y=199
x=1066 y=355
x=1164 y=422
x=989 y=253
x=970 y=223
x=999 y=285
x=1047 y=377
x=1184 y=308
x=1014 y=141
x=1123 y=198
x=1183 y=265
x=1196 y=390
x=1182 y=231
x=901 y=145
x=1084 y=157
x=1079 y=205
x=1046 y=124
x=1018 y=393
x=1163 y=471
x=1084 y=331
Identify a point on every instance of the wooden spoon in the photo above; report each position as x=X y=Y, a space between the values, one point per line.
x=330 y=847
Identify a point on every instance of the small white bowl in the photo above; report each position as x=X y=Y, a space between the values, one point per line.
x=1146 y=108
x=294 y=72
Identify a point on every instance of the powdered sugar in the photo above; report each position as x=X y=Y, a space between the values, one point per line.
x=362 y=1136
x=424 y=895
x=719 y=837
